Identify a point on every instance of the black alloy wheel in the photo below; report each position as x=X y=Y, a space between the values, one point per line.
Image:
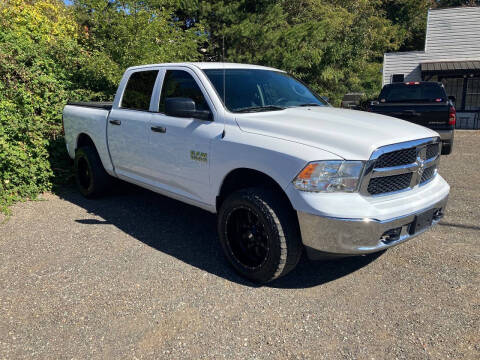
x=259 y=234
x=247 y=238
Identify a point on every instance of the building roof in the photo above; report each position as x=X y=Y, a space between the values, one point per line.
x=449 y=66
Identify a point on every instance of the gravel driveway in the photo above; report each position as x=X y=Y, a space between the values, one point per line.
x=137 y=275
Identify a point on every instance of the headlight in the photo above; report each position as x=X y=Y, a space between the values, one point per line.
x=330 y=176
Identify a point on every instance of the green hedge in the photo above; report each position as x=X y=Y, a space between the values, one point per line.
x=40 y=68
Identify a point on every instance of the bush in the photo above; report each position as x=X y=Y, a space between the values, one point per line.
x=41 y=66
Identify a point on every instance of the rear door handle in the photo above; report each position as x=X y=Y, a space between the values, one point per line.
x=115 y=122
x=159 y=129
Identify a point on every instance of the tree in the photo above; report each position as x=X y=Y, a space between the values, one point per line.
x=411 y=17
x=137 y=32
x=335 y=46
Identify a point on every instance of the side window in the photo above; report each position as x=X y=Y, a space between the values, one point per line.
x=398 y=78
x=179 y=83
x=139 y=89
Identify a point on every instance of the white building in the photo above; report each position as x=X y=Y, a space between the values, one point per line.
x=451 y=56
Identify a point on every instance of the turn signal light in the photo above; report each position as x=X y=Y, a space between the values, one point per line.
x=307 y=172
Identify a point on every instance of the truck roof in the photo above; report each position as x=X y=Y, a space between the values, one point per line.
x=408 y=83
x=209 y=65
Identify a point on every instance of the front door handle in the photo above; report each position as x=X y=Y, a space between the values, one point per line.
x=115 y=122
x=159 y=129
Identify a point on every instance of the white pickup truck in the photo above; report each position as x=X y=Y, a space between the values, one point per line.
x=283 y=169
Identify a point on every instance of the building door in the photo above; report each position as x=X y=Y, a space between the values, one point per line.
x=472 y=96
x=454 y=86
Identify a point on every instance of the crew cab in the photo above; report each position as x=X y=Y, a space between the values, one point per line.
x=420 y=102
x=283 y=170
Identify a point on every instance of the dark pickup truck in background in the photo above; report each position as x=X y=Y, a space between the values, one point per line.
x=422 y=103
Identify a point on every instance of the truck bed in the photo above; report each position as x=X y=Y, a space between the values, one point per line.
x=107 y=105
x=432 y=115
x=89 y=118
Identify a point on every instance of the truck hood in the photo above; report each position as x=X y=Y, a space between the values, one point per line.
x=350 y=134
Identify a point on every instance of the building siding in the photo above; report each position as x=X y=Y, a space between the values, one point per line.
x=452 y=34
x=407 y=63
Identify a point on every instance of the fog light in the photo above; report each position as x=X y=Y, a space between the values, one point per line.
x=391 y=235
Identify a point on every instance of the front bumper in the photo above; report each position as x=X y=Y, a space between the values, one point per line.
x=350 y=236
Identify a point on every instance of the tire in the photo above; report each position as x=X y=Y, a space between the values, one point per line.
x=446 y=148
x=91 y=178
x=259 y=234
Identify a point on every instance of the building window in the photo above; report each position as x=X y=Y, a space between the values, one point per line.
x=472 y=97
x=398 y=78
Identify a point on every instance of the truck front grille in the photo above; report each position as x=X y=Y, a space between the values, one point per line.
x=433 y=150
x=428 y=174
x=382 y=185
x=401 y=167
x=397 y=158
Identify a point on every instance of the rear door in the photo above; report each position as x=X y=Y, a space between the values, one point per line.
x=127 y=125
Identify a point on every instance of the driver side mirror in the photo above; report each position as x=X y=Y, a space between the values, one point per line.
x=185 y=108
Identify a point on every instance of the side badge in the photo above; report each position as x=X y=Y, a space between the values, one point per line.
x=198 y=156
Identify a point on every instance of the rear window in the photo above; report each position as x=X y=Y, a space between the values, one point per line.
x=413 y=92
x=139 y=89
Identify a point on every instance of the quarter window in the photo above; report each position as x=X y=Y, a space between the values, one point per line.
x=179 y=83
x=139 y=89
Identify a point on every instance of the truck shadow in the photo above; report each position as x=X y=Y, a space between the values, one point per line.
x=189 y=234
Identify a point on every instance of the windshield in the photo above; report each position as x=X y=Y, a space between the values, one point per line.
x=415 y=92
x=250 y=90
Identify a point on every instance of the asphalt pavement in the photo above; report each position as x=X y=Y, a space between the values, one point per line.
x=138 y=275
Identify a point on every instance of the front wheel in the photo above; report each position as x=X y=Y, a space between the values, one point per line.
x=259 y=234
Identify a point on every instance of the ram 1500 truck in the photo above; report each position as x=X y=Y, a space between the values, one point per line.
x=420 y=102
x=283 y=170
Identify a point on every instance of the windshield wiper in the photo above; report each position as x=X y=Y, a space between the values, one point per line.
x=309 y=104
x=260 y=108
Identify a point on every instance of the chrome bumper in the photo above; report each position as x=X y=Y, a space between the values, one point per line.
x=359 y=236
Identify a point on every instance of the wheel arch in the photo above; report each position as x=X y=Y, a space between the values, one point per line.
x=84 y=139
x=242 y=178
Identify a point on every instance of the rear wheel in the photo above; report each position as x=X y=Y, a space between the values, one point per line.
x=91 y=178
x=259 y=234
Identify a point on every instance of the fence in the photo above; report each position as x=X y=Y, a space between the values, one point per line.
x=468 y=120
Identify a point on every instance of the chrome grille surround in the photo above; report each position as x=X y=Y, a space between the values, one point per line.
x=421 y=171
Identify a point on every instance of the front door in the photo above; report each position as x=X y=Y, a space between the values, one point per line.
x=180 y=147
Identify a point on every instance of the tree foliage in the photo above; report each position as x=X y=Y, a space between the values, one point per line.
x=335 y=46
x=37 y=45
x=137 y=32
x=47 y=58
